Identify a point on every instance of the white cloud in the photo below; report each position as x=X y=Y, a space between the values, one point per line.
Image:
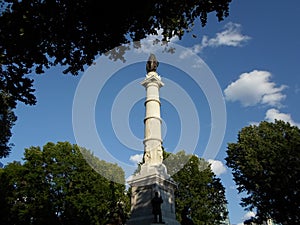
x=231 y=36
x=153 y=43
x=273 y=114
x=248 y=215
x=217 y=166
x=187 y=53
x=190 y=51
x=255 y=88
x=136 y=158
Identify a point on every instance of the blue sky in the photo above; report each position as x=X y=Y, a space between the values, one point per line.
x=247 y=71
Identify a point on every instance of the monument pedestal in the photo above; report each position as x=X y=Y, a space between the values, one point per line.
x=151 y=179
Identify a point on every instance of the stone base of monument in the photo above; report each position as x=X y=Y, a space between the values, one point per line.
x=144 y=184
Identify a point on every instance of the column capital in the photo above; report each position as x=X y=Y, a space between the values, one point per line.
x=152 y=77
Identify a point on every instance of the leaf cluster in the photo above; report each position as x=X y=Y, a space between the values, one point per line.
x=55 y=185
x=198 y=189
x=7 y=120
x=265 y=164
x=38 y=34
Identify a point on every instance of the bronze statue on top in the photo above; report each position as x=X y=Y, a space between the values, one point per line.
x=152 y=63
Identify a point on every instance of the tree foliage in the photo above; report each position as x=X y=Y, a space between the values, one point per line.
x=7 y=120
x=265 y=164
x=38 y=34
x=55 y=185
x=198 y=188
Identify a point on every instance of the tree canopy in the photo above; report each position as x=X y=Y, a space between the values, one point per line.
x=38 y=34
x=198 y=189
x=55 y=185
x=7 y=120
x=265 y=162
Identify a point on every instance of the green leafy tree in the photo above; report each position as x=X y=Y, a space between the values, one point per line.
x=7 y=120
x=36 y=35
x=12 y=194
x=265 y=162
x=56 y=185
x=198 y=188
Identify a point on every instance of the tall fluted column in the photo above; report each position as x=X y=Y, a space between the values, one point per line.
x=152 y=176
x=152 y=134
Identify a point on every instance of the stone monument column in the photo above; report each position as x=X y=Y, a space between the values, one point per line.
x=152 y=176
x=152 y=135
